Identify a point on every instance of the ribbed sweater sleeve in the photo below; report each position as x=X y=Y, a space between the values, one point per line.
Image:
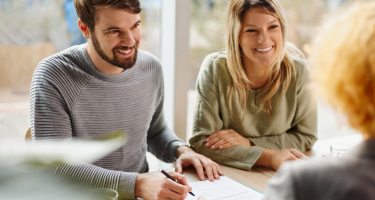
x=71 y=98
x=50 y=107
x=159 y=134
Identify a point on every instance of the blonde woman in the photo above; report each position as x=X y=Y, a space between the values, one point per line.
x=345 y=61
x=253 y=105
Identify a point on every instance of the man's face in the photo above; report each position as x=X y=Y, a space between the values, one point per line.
x=116 y=36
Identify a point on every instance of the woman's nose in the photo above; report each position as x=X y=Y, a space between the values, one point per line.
x=263 y=37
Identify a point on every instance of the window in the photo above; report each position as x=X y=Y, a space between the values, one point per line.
x=206 y=36
x=31 y=30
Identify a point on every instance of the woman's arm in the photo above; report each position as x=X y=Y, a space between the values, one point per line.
x=303 y=132
x=207 y=121
x=301 y=135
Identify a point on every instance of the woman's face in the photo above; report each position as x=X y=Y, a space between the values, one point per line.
x=260 y=38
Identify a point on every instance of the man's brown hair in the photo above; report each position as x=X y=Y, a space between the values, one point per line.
x=86 y=9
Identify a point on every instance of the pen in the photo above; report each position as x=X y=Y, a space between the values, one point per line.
x=173 y=179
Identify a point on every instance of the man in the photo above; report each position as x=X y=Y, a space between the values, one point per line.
x=107 y=85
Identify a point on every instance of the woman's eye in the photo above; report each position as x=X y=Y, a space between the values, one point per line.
x=251 y=30
x=273 y=26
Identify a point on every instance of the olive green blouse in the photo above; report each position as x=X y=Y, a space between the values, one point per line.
x=292 y=124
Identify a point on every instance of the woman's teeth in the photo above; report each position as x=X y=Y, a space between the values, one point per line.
x=266 y=49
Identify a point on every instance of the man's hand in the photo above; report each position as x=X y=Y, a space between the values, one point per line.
x=186 y=157
x=274 y=158
x=158 y=186
x=226 y=138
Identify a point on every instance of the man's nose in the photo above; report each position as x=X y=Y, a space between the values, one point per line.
x=127 y=39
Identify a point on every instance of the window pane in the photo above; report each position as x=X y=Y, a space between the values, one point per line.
x=31 y=30
x=303 y=16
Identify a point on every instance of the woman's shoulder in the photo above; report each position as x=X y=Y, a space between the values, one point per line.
x=302 y=71
x=300 y=65
x=215 y=64
x=215 y=59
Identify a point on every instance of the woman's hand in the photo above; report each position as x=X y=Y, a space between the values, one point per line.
x=224 y=139
x=274 y=158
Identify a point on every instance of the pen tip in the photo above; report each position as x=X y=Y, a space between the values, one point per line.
x=161 y=170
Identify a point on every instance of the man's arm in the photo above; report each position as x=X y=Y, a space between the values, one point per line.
x=50 y=104
x=161 y=140
x=91 y=177
x=164 y=143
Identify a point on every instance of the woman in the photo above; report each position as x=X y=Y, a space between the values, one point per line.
x=345 y=61
x=253 y=105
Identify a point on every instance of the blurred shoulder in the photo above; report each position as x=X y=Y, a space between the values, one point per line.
x=314 y=167
x=301 y=65
x=216 y=58
x=215 y=62
x=328 y=178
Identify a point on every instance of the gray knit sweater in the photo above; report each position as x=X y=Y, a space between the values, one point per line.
x=71 y=98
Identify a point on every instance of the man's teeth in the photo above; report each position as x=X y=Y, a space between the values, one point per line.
x=266 y=49
x=124 y=51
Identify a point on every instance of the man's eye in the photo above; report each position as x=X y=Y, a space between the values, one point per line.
x=135 y=25
x=113 y=31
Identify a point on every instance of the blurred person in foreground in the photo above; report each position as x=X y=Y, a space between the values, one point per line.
x=343 y=60
x=253 y=104
x=105 y=85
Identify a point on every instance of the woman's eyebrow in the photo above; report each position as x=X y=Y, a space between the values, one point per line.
x=273 y=21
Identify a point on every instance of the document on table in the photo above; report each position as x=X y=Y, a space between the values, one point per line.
x=223 y=189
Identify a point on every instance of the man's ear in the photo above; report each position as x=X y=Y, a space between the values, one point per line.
x=84 y=29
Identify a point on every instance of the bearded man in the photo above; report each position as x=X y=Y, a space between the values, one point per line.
x=109 y=84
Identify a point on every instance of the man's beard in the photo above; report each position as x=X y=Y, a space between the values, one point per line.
x=125 y=64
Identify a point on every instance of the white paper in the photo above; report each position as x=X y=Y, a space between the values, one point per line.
x=223 y=189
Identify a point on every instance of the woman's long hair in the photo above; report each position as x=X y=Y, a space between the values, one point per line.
x=280 y=70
